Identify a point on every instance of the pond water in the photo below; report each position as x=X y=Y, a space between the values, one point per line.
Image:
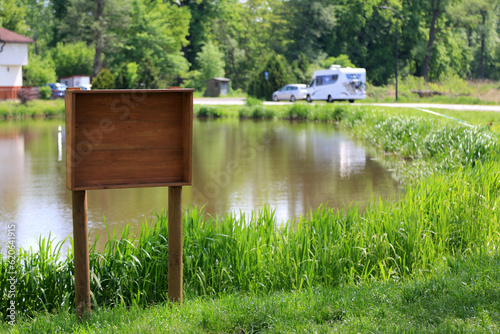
x=238 y=166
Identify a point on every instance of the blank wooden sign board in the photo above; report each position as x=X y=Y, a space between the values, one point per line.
x=126 y=139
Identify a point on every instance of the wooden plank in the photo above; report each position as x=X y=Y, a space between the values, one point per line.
x=123 y=107
x=130 y=164
x=188 y=135
x=118 y=136
x=70 y=136
x=175 y=244
x=81 y=253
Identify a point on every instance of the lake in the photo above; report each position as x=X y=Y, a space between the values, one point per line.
x=238 y=166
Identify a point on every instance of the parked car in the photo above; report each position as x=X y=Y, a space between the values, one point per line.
x=291 y=92
x=58 y=89
x=86 y=87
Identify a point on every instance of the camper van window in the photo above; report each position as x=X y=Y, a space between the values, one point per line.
x=353 y=76
x=326 y=79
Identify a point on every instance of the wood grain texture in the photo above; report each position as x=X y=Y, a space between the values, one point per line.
x=175 y=244
x=133 y=138
x=81 y=254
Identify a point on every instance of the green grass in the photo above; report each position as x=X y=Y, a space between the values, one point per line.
x=454 y=89
x=461 y=297
x=35 y=108
x=450 y=208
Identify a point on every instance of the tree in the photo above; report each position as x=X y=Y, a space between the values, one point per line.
x=342 y=60
x=311 y=22
x=40 y=71
x=211 y=63
x=278 y=75
x=437 y=7
x=73 y=59
x=12 y=16
x=103 y=25
x=155 y=38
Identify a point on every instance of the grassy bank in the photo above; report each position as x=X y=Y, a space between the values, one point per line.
x=35 y=108
x=461 y=297
x=449 y=210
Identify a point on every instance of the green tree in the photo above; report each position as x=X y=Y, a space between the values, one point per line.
x=40 y=19
x=73 y=59
x=342 y=60
x=278 y=75
x=155 y=39
x=40 y=71
x=211 y=63
x=104 y=80
x=103 y=26
x=12 y=16
x=311 y=22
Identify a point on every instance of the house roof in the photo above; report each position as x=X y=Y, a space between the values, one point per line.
x=220 y=79
x=11 y=37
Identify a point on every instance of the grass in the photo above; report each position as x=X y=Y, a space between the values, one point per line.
x=454 y=90
x=462 y=296
x=35 y=108
x=447 y=214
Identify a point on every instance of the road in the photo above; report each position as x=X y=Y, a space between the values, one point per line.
x=239 y=101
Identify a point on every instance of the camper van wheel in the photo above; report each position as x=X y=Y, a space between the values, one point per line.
x=329 y=99
x=351 y=101
x=275 y=98
x=292 y=98
x=308 y=98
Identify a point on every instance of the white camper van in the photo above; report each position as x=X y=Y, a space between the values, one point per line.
x=336 y=83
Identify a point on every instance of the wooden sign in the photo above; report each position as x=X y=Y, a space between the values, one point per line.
x=128 y=138
x=124 y=139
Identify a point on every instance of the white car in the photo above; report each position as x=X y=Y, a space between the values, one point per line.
x=86 y=87
x=291 y=92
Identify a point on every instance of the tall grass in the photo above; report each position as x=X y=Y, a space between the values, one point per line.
x=35 y=108
x=451 y=208
x=449 y=214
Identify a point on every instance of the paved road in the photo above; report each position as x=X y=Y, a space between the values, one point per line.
x=239 y=101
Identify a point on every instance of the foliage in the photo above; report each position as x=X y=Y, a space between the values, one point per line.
x=104 y=80
x=208 y=111
x=127 y=76
x=210 y=63
x=45 y=92
x=278 y=75
x=39 y=71
x=73 y=59
x=12 y=16
x=342 y=60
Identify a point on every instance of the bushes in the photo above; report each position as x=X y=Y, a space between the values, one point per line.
x=104 y=80
x=209 y=111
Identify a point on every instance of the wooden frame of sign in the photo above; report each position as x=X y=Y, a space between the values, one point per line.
x=127 y=139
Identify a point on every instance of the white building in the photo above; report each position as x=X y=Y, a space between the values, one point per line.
x=13 y=56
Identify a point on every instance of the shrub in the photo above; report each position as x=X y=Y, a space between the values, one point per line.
x=104 y=80
x=209 y=111
x=45 y=92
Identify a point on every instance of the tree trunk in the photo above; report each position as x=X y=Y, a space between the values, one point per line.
x=483 y=46
x=99 y=40
x=436 y=10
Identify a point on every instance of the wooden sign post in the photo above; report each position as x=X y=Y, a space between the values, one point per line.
x=126 y=139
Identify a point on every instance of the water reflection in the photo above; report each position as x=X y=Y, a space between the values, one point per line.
x=238 y=166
